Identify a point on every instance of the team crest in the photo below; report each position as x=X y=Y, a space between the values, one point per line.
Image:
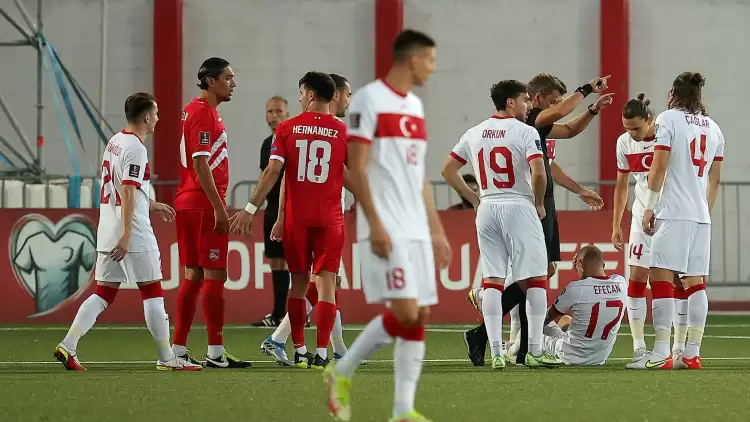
x=213 y=254
x=53 y=262
x=354 y=120
x=204 y=138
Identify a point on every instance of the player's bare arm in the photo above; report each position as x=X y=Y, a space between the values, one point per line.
x=591 y=198
x=569 y=104
x=579 y=124
x=440 y=246
x=206 y=179
x=619 y=201
x=277 y=231
x=656 y=176
x=348 y=180
x=166 y=212
x=451 y=175
x=128 y=209
x=539 y=184
x=356 y=158
x=242 y=221
x=552 y=315
x=714 y=181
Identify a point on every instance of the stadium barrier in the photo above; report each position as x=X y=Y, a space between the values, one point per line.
x=51 y=255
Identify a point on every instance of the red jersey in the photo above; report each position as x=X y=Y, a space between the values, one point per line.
x=203 y=134
x=313 y=148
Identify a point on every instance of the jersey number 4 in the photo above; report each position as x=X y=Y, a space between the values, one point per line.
x=496 y=168
x=595 y=319
x=107 y=184
x=700 y=160
x=314 y=160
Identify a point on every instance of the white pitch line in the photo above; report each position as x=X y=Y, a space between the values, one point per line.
x=145 y=362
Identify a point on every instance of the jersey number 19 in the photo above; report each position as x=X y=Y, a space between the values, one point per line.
x=496 y=168
x=311 y=166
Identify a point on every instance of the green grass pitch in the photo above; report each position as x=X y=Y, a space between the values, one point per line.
x=122 y=385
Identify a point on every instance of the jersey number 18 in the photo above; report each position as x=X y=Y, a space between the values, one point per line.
x=310 y=166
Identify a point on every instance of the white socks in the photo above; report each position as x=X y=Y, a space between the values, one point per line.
x=536 y=310
x=680 y=324
x=662 y=312
x=157 y=322
x=370 y=340
x=407 y=367
x=282 y=332
x=492 y=311
x=337 y=335
x=697 y=313
x=515 y=324
x=84 y=320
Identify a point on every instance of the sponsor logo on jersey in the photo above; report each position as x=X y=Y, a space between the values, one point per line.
x=53 y=262
x=354 y=120
x=184 y=115
x=204 y=138
x=134 y=170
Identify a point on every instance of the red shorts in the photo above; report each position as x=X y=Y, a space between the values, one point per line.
x=199 y=245
x=316 y=247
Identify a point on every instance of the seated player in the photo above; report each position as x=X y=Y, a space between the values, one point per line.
x=597 y=304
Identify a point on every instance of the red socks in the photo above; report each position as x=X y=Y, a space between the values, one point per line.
x=396 y=328
x=213 y=310
x=325 y=317
x=297 y=316
x=187 y=298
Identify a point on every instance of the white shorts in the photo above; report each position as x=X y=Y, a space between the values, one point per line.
x=511 y=233
x=681 y=246
x=557 y=346
x=136 y=267
x=639 y=252
x=408 y=273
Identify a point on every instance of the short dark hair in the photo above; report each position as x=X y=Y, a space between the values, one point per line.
x=638 y=107
x=339 y=80
x=469 y=178
x=687 y=93
x=407 y=40
x=320 y=83
x=138 y=104
x=210 y=68
x=545 y=84
x=502 y=91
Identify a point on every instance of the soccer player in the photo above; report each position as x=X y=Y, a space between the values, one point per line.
x=202 y=220
x=276 y=112
x=275 y=345
x=313 y=147
x=127 y=251
x=549 y=106
x=683 y=183
x=506 y=156
x=596 y=302
x=397 y=224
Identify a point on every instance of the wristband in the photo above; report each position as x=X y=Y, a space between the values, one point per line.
x=592 y=111
x=585 y=90
x=651 y=199
x=250 y=208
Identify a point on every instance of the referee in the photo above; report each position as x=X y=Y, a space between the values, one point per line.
x=276 y=112
x=549 y=106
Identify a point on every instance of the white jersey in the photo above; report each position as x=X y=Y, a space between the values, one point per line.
x=635 y=157
x=500 y=149
x=597 y=305
x=343 y=191
x=394 y=123
x=695 y=142
x=125 y=162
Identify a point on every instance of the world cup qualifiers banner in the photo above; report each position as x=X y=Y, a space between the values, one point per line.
x=50 y=256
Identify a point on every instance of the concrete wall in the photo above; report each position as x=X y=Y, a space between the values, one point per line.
x=73 y=27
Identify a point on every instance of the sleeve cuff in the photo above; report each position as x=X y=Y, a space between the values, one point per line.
x=277 y=158
x=458 y=158
x=132 y=182
x=623 y=170
x=534 y=156
x=360 y=139
x=201 y=154
x=662 y=148
x=718 y=158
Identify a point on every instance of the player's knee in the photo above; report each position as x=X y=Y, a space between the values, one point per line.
x=215 y=274
x=689 y=282
x=150 y=290
x=277 y=264
x=194 y=274
x=407 y=314
x=424 y=316
x=638 y=274
x=107 y=291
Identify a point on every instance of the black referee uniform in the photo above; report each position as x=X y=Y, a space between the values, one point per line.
x=274 y=250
